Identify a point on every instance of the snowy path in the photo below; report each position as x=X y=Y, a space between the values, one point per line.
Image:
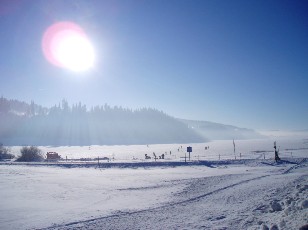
x=241 y=200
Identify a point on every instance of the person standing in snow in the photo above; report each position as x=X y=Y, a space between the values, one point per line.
x=276 y=152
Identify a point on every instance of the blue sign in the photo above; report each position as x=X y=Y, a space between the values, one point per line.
x=189 y=149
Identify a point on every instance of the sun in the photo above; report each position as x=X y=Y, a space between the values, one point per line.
x=66 y=45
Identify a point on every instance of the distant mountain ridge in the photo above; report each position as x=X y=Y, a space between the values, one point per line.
x=31 y=124
x=217 y=131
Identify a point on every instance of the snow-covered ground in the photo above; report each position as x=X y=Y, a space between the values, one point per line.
x=221 y=149
x=226 y=194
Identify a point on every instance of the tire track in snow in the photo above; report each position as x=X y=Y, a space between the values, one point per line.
x=172 y=204
x=216 y=191
x=304 y=160
x=167 y=205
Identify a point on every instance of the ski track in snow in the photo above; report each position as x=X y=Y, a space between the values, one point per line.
x=238 y=201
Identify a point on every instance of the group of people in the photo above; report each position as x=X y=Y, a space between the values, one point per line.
x=155 y=157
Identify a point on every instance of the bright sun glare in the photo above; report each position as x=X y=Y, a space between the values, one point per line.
x=66 y=45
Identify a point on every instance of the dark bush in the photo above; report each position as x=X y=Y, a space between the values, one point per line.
x=5 y=153
x=30 y=154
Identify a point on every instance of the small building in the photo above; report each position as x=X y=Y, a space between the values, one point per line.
x=53 y=156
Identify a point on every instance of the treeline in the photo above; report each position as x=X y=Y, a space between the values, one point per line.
x=62 y=124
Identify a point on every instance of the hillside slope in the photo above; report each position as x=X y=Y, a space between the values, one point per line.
x=217 y=131
x=31 y=124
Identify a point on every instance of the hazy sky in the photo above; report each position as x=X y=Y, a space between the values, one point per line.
x=243 y=63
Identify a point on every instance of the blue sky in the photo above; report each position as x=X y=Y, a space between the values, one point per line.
x=235 y=62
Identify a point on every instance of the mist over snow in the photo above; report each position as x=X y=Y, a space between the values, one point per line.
x=216 y=131
x=31 y=124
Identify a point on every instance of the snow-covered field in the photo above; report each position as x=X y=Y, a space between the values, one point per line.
x=225 y=194
x=223 y=150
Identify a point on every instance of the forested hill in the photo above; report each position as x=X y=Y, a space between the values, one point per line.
x=216 y=131
x=31 y=124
